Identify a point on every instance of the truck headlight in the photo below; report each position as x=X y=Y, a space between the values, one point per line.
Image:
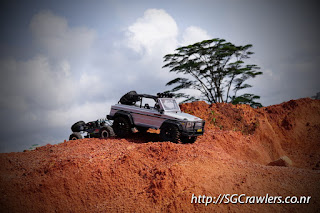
x=189 y=124
x=198 y=125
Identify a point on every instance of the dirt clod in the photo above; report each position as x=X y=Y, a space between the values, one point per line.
x=282 y=161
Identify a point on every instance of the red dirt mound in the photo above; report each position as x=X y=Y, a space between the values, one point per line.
x=265 y=134
x=140 y=174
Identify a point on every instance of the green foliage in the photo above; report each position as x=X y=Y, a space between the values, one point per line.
x=213 y=118
x=33 y=147
x=216 y=68
x=247 y=98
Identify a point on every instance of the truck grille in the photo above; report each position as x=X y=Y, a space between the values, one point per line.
x=195 y=126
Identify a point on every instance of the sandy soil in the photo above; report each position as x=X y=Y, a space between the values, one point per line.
x=141 y=174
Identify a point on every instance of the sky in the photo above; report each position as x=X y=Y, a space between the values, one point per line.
x=65 y=61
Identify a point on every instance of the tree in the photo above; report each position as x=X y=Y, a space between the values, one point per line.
x=216 y=68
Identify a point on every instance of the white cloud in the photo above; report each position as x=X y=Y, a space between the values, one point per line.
x=194 y=34
x=90 y=82
x=35 y=83
x=89 y=111
x=53 y=33
x=46 y=91
x=271 y=74
x=156 y=32
x=152 y=36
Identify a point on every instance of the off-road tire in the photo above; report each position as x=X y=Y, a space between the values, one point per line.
x=170 y=133
x=111 y=132
x=79 y=126
x=75 y=136
x=121 y=126
x=104 y=133
x=186 y=139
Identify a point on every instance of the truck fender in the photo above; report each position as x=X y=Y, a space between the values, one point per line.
x=170 y=122
x=124 y=114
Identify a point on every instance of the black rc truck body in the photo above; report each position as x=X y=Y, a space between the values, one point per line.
x=100 y=128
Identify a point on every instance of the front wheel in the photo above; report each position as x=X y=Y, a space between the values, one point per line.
x=121 y=127
x=104 y=133
x=75 y=136
x=170 y=133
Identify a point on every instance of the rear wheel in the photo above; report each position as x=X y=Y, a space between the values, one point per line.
x=121 y=127
x=75 y=136
x=104 y=133
x=170 y=133
x=186 y=139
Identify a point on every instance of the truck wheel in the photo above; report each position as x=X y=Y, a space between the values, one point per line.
x=170 y=133
x=77 y=127
x=104 y=133
x=121 y=126
x=110 y=130
x=186 y=139
x=75 y=136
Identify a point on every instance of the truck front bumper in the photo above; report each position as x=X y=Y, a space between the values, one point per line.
x=193 y=131
x=196 y=132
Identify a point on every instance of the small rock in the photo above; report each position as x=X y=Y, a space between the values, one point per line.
x=317 y=166
x=282 y=161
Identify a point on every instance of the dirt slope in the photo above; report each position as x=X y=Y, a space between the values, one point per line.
x=140 y=174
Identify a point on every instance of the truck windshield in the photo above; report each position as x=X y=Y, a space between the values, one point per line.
x=170 y=104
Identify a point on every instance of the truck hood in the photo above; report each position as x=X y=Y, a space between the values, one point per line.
x=182 y=116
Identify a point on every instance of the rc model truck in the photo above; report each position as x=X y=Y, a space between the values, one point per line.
x=100 y=128
x=164 y=114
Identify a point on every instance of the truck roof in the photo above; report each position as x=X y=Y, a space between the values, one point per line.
x=132 y=97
